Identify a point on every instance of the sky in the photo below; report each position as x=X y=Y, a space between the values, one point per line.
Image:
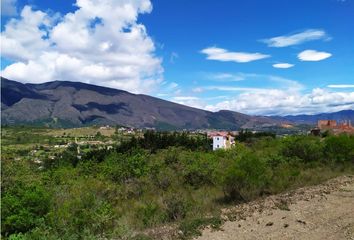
x=259 y=57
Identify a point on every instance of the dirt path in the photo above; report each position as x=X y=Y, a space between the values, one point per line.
x=321 y=212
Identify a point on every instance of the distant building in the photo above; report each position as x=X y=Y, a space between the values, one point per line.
x=222 y=140
x=334 y=127
x=326 y=124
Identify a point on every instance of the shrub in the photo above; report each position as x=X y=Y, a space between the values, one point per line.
x=82 y=210
x=246 y=178
x=339 y=148
x=305 y=148
x=198 y=169
x=284 y=176
x=122 y=167
x=23 y=208
x=150 y=214
x=176 y=206
x=191 y=227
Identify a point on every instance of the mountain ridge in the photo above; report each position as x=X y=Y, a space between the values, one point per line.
x=78 y=104
x=343 y=115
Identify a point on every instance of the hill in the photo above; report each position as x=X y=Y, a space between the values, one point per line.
x=64 y=103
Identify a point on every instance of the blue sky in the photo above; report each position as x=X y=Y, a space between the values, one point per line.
x=256 y=57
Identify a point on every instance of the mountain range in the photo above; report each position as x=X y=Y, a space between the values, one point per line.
x=68 y=104
x=344 y=115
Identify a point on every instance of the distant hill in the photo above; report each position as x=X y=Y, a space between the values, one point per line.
x=64 y=103
x=312 y=119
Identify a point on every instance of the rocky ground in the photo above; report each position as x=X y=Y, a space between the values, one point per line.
x=324 y=211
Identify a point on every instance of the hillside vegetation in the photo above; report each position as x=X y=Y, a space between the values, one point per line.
x=163 y=179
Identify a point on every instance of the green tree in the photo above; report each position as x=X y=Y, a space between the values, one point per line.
x=306 y=148
x=23 y=208
x=339 y=148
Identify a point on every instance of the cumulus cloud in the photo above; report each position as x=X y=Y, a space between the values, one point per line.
x=296 y=39
x=281 y=97
x=313 y=55
x=283 y=102
x=8 y=8
x=223 y=55
x=283 y=65
x=100 y=43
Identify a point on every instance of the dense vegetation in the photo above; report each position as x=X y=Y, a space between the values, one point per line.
x=161 y=179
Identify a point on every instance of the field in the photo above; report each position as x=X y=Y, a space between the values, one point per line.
x=93 y=183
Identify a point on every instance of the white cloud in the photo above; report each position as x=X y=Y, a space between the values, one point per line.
x=198 y=90
x=295 y=39
x=100 y=43
x=232 y=89
x=281 y=97
x=8 y=8
x=173 y=57
x=341 y=86
x=283 y=102
x=313 y=55
x=283 y=65
x=173 y=85
x=227 y=77
x=263 y=79
x=184 y=98
x=223 y=55
x=189 y=101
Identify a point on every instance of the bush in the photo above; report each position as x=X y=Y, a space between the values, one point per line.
x=176 y=207
x=150 y=214
x=284 y=175
x=304 y=148
x=339 y=148
x=123 y=167
x=191 y=227
x=198 y=169
x=246 y=178
x=23 y=208
x=83 y=210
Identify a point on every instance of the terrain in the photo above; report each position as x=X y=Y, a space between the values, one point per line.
x=63 y=103
x=115 y=183
x=324 y=211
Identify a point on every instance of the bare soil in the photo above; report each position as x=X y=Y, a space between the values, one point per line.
x=325 y=211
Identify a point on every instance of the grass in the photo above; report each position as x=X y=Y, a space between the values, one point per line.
x=192 y=227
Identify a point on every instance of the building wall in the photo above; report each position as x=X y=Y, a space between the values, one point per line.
x=326 y=123
x=219 y=142
x=333 y=127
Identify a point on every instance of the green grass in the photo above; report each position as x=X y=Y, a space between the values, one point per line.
x=192 y=227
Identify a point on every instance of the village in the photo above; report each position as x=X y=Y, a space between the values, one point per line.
x=106 y=137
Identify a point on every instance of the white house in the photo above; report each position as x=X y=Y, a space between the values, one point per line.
x=222 y=140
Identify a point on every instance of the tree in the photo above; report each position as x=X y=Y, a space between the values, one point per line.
x=23 y=208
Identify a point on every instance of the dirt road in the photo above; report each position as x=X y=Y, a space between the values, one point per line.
x=321 y=212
